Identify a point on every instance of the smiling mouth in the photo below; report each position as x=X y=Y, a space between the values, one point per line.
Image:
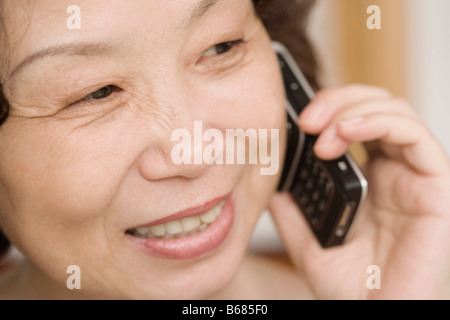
x=180 y=228
x=187 y=234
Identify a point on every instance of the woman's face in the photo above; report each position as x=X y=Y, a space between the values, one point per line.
x=85 y=156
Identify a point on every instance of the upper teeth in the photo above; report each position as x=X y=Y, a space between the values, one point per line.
x=180 y=228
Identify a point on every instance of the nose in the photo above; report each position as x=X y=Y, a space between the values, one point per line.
x=178 y=150
x=175 y=109
x=157 y=163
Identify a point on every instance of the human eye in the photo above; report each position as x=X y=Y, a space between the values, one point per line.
x=221 y=56
x=222 y=48
x=101 y=94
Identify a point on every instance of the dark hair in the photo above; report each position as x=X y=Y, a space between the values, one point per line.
x=286 y=22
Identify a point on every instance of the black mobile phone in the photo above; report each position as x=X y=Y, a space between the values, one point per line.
x=328 y=193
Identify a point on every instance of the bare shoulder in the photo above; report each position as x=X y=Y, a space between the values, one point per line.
x=264 y=276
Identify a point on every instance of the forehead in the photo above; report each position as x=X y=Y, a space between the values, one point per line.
x=34 y=25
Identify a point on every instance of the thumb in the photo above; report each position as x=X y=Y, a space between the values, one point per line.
x=295 y=233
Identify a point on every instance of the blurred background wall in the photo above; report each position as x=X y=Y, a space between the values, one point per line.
x=410 y=55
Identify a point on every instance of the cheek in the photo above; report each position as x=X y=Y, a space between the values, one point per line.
x=56 y=188
x=56 y=171
x=58 y=183
x=252 y=98
x=71 y=172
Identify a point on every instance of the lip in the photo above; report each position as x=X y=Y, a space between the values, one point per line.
x=195 y=245
x=190 y=212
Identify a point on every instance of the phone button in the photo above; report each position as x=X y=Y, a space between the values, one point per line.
x=304 y=174
x=310 y=210
x=322 y=204
x=309 y=185
x=343 y=166
x=298 y=189
x=316 y=195
x=304 y=200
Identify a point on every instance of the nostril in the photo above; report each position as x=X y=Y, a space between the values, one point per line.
x=157 y=164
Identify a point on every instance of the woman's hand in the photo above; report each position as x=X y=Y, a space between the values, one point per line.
x=405 y=226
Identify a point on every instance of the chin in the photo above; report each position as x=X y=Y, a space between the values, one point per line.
x=200 y=265
x=197 y=254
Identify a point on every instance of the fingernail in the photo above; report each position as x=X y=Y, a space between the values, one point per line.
x=326 y=138
x=352 y=121
x=311 y=113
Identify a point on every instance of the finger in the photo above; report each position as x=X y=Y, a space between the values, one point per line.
x=399 y=106
x=419 y=147
x=330 y=145
x=328 y=102
x=297 y=237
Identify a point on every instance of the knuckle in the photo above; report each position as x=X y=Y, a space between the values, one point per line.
x=402 y=101
x=383 y=92
x=357 y=87
x=404 y=105
x=325 y=93
x=329 y=96
x=343 y=113
x=421 y=128
x=352 y=90
x=426 y=129
x=369 y=90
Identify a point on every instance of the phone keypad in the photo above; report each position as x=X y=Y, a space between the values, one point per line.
x=313 y=188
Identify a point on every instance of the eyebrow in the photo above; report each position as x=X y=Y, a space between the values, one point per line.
x=199 y=10
x=70 y=49
x=95 y=49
